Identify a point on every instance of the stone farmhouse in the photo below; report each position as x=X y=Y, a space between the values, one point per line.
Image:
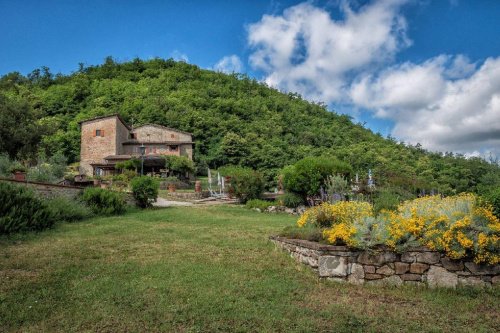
x=108 y=140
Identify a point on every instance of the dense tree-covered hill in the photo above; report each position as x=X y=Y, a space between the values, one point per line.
x=234 y=120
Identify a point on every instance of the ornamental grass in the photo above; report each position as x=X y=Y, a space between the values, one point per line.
x=461 y=226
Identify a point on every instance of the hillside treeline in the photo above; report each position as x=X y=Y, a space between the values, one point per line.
x=234 y=120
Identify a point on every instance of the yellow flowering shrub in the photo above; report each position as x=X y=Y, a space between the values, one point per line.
x=338 y=219
x=459 y=226
x=456 y=225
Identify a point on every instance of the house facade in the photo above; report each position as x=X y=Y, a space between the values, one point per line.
x=108 y=140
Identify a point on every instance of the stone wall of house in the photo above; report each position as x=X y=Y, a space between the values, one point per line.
x=154 y=133
x=186 y=150
x=48 y=190
x=95 y=148
x=419 y=266
x=122 y=135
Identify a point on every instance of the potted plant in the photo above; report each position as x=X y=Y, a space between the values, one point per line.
x=19 y=171
x=171 y=187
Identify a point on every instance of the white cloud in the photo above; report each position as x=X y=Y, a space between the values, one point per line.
x=306 y=51
x=431 y=106
x=229 y=64
x=446 y=103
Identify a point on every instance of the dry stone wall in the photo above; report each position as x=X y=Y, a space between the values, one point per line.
x=419 y=266
x=48 y=190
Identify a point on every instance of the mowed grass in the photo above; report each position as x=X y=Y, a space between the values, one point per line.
x=204 y=269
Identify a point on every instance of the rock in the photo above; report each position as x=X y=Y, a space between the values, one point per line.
x=387 y=281
x=257 y=210
x=429 y=257
x=377 y=259
x=472 y=282
x=452 y=265
x=408 y=257
x=401 y=267
x=440 y=277
x=369 y=269
x=301 y=209
x=271 y=209
x=495 y=280
x=482 y=269
x=357 y=274
x=418 y=268
x=308 y=261
x=385 y=270
x=332 y=266
x=289 y=210
x=411 y=277
x=369 y=276
x=415 y=283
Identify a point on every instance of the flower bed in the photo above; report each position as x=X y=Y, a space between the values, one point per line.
x=461 y=227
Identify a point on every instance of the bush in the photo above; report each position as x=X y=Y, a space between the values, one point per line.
x=145 y=190
x=308 y=175
x=260 y=204
x=22 y=210
x=104 y=202
x=291 y=200
x=309 y=232
x=179 y=165
x=246 y=184
x=17 y=167
x=385 y=200
x=5 y=165
x=68 y=210
x=493 y=198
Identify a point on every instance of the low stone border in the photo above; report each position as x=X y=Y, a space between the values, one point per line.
x=418 y=266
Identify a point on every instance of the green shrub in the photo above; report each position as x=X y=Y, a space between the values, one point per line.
x=246 y=184
x=68 y=210
x=5 y=165
x=309 y=232
x=133 y=164
x=22 y=210
x=291 y=200
x=308 y=175
x=104 y=202
x=145 y=190
x=179 y=165
x=493 y=198
x=385 y=200
x=260 y=204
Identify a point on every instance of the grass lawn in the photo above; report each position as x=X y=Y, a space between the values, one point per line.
x=204 y=269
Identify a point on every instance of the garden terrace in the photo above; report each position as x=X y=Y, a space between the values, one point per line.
x=417 y=266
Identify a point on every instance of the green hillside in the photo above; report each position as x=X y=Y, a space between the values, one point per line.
x=234 y=120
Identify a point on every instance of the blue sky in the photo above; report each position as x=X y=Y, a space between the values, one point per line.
x=423 y=71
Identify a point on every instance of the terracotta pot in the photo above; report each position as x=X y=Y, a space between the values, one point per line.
x=171 y=188
x=19 y=175
x=197 y=186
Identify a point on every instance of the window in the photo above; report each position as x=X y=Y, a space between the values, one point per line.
x=133 y=136
x=99 y=132
x=174 y=148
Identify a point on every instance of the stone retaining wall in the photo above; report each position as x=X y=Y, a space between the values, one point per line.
x=48 y=190
x=419 y=266
x=187 y=195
